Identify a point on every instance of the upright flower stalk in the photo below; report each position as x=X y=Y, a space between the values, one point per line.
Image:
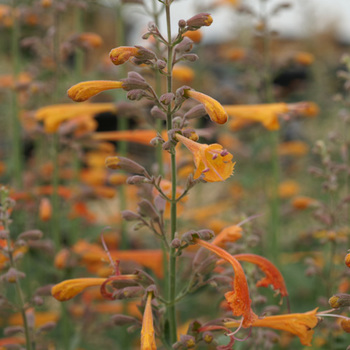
x=173 y=213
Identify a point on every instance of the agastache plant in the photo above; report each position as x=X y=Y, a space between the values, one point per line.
x=213 y=164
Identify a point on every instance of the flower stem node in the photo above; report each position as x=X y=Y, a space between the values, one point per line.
x=339 y=300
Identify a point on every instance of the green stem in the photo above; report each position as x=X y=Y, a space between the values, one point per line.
x=17 y=158
x=173 y=218
x=79 y=54
x=55 y=220
x=158 y=89
x=29 y=344
x=122 y=126
x=273 y=243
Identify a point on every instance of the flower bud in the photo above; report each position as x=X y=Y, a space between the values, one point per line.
x=148 y=210
x=339 y=300
x=136 y=180
x=200 y=20
x=160 y=203
x=121 y=320
x=31 y=235
x=157 y=113
x=125 y=164
x=12 y=330
x=175 y=243
x=167 y=98
x=161 y=64
x=182 y=23
x=13 y=275
x=47 y=327
x=129 y=215
x=129 y=292
x=4 y=234
x=207 y=337
x=38 y=301
x=347 y=260
x=44 y=290
x=345 y=324
x=185 y=45
x=122 y=54
x=196 y=112
x=136 y=95
x=191 y=57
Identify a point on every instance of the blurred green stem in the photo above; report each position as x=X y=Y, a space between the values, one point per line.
x=158 y=89
x=17 y=158
x=273 y=243
x=30 y=345
x=122 y=126
x=173 y=220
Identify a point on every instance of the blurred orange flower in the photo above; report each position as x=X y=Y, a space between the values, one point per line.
x=304 y=58
x=194 y=35
x=211 y=160
x=303 y=202
x=267 y=114
x=138 y=136
x=54 y=115
x=293 y=148
x=45 y=209
x=288 y=188
x=183 y=74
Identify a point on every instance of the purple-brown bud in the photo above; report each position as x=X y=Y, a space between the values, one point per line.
x=31 y=235
x=148 y=210
x=185 y=46
x=125 y=164
x=167 y=98
x=129 y=215
x=197 y=111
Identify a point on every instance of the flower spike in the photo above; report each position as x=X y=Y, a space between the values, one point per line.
x=86 y=89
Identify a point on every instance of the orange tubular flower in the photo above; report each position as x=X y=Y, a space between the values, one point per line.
x=70 y=288
x=210 y=160
x=122 y=54
x=300 y=325
x=228 y=234
x=148 y=341
x=143 y=137
x=272 y=274
x=267 y=114
x=238 y=299
x=214 y=109
x=86 y=89
x=54 y=115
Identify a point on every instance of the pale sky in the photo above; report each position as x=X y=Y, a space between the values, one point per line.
x=305 y=16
